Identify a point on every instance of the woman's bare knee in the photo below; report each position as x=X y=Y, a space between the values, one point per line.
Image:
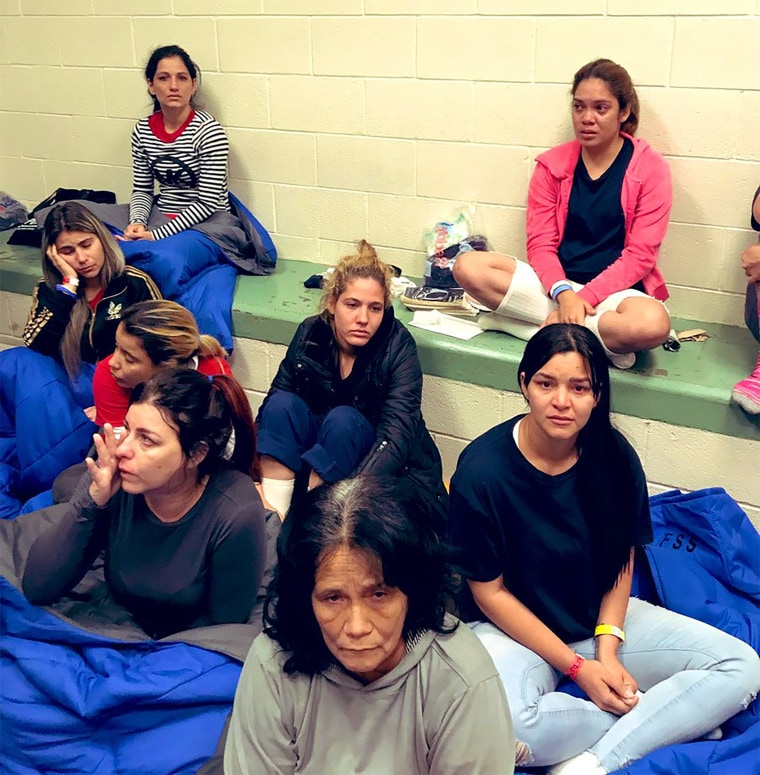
x=466 y=269
x=637 y=324
x=655 y=325
x=485 y=276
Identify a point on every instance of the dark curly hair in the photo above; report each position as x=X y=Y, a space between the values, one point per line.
x=388 y=518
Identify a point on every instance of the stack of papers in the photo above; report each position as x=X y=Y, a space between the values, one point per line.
x=432 y=320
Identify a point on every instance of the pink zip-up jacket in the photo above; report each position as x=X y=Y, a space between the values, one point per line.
x=646 y=198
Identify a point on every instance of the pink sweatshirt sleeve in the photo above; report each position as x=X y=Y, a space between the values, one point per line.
x=542 y=226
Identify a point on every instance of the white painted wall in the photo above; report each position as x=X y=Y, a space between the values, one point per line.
x=352 y=118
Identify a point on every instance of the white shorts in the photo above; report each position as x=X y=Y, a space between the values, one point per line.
x=526 y=304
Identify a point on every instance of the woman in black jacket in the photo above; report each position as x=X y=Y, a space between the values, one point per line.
x=77 y=306
x=346 y=398
x=76 y=309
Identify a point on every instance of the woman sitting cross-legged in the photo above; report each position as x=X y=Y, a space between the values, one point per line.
x=347 y=396
x=597 y=213
x=359 y=668
x=547 y=511
x=174 y=506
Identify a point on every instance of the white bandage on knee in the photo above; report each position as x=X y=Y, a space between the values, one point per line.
x=621 y=360
x=525 y=298
x=278 y=493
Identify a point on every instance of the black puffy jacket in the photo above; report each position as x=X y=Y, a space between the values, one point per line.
x=385 y=386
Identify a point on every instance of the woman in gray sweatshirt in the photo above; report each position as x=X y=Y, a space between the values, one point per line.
x=360 y=668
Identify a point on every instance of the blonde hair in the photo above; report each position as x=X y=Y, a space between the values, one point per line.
x=364 y=264
x=72 y=216
x=169 y=333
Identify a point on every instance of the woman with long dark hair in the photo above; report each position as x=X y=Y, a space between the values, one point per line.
x=547 y=512
x=360 y=668
x=173 y=504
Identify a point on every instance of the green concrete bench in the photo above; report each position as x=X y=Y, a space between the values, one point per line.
x=691 y=387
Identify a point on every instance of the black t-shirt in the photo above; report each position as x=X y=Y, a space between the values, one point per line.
x=752 y=220
x=508 y=518
x=594 y=234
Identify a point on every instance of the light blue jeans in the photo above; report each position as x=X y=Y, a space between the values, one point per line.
x=693 y=676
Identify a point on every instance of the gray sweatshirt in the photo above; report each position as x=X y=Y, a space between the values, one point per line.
x=441 y=710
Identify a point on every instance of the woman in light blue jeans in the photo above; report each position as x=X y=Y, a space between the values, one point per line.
x=547 y=512
x=692 y=678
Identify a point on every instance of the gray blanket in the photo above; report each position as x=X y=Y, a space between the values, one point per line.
x=91 y=607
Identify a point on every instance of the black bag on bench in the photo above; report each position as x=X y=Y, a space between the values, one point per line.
x=30 y=232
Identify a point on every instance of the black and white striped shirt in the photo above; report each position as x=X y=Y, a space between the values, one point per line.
x=190 y=166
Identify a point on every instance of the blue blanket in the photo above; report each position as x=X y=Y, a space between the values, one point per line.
x=42 y=426
x=73 y=701
x=84 y=690
x=704 y=564
x=192 y=270
x=198 y=267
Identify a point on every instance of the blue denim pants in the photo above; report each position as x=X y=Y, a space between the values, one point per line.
x=289 y=433
x=693 y=678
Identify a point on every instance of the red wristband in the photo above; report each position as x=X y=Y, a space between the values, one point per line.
x=575 y=667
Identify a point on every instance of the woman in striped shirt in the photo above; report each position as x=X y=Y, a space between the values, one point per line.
x=183 y=149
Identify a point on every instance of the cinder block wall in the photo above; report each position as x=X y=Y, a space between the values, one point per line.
x=375 y=118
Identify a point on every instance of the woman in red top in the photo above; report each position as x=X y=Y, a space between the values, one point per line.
x=598 y=210
x=182 y=149
x=150 y=336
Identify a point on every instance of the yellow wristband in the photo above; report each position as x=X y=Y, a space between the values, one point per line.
x=610 y=629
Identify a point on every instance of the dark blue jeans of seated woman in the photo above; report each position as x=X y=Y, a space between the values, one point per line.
x=290 y=433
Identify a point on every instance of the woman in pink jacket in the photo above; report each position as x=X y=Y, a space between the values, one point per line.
x=598 y=211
